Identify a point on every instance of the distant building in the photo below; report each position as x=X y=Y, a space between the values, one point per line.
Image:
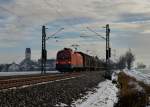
x=13 y=67
x=27 y=64
x=28 y=53
x=4 y=67
x=50 y=64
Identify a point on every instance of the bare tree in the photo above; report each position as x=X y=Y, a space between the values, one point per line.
x=126 y=60
x=122 y=62
x=129 y=59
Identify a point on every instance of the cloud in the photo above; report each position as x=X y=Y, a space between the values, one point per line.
x=21 y=22
x=6 y=1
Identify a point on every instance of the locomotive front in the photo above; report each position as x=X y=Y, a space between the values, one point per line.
x=63 y=60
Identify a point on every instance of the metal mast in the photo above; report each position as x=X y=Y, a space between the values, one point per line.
x=43 y=52
x=108 y=49
x=108 y=52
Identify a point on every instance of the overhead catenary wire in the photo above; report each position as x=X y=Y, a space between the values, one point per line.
x=18 y=18
x=55 y=33
x=67 y=22
x=57 y=9
x=96 y=33
x=60 y=14
x=71 y=24
x=84 y=31
x=52 y=7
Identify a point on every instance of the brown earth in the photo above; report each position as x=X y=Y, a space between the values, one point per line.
x=132 y=93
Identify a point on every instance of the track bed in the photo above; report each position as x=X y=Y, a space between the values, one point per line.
x=51 y=94
x=18 y=81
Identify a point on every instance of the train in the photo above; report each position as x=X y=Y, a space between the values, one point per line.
x=68 y=60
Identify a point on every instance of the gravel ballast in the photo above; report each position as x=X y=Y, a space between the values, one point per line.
x=51 y=94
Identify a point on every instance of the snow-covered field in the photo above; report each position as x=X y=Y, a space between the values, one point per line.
x=105 y=96
x=141 y=75
x=24 y=73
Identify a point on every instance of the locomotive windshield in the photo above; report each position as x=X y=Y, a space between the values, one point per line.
x=63 y=56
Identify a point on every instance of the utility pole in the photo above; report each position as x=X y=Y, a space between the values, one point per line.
x=108 y=49
x=107 y=39
x=43 y=52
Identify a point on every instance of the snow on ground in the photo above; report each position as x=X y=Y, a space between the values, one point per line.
x=24 y=73
x=139 y=75
x=61 y=105
x=105 y=96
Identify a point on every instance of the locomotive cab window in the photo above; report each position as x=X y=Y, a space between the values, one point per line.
x=63 y=56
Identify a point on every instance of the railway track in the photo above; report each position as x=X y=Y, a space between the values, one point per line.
x=19 y=82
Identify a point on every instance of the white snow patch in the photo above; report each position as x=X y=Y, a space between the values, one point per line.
x=61 y=105
x=140 y=76
x=114 y=76
x=105 y=96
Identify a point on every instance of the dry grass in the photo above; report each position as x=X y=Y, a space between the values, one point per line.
x=132 y=93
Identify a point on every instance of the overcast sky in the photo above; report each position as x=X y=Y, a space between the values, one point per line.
x=21 y=22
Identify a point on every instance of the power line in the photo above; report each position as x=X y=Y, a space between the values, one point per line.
x=44 y=51
x=55 y=33
x=60 y=14
x=18 y=18
x=96 y=33
x=76 y=19
x=56 y=9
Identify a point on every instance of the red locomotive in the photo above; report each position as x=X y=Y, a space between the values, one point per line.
x=68 y=61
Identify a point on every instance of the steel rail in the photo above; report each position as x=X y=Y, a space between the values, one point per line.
x=18 y=82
